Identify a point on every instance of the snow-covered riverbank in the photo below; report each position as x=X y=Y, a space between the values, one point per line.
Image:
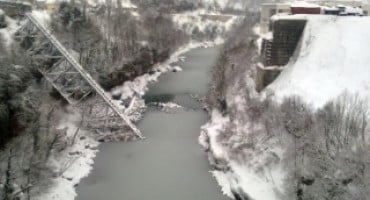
x=76 y=161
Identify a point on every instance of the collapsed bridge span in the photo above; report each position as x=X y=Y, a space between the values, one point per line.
x=72 y=81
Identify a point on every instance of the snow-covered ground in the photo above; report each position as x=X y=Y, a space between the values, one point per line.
x=254 y=172
x=124 y=3
x=7 y=33
x=333 y=59
x=73 y=163
x=235 y=4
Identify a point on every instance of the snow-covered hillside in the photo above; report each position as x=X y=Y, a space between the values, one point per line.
x=235 y=4
x=333 y=58
x=252 y=141
x=222 y=4
x=210 y=26
x=124 y=3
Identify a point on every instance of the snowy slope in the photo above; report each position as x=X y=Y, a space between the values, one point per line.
x=234 y=4
x=333 y=58
x=125 y=3
x=196 y=20
x=253 y=176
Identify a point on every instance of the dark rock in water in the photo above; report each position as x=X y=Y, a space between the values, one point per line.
x=299 y=193
x=223 y=105
x=74 y=153
x=240 y=195
x=94 y=148
x=3 y=24
x=2 y=19
x=164 y=98
x=55 y=175
x=151 y=72
x=307 y=180
x=125 y=102
x=116 y=96
x=82 y=137
x=101 y=140
x=347 y=181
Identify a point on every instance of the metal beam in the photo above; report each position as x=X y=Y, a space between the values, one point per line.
x=86 y=76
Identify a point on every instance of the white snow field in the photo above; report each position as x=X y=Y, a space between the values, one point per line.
x=333 y=59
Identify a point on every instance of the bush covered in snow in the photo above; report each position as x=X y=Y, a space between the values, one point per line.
x=27 y=136
x=238 y=55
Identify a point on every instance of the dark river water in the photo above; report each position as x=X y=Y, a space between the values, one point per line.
x=169 y=164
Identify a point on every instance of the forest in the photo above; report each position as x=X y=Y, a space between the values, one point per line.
x=113 y=44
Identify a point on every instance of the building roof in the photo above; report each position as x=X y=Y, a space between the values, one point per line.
x=304 y=4
x=51 y=1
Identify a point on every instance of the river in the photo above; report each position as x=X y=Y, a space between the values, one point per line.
x=169 y=164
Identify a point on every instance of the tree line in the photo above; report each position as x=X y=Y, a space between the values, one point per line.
x=113 y=44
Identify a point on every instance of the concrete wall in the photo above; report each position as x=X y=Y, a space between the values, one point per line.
x=286 y=35
x=278 y=51
x=265 y=76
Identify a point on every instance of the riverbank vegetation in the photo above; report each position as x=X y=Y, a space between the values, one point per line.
x=29 y=138
x=27 y=135
x=181 y=6
x=289 y=149
x=115 y=45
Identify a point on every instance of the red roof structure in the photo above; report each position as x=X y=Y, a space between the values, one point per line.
x=305 y=8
